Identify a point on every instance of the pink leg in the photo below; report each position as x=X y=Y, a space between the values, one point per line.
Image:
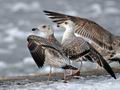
x=76 y=73
x=67 y=75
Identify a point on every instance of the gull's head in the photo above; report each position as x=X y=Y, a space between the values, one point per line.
x=47 y=29
x=68 y=24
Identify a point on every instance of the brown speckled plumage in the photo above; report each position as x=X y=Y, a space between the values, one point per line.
x=38 y=46
x=85 y=28
x=51 y=39
x=76 y=47
x=105 y=41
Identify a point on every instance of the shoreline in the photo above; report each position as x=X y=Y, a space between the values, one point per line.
x=38 y=77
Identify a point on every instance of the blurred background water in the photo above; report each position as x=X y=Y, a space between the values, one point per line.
x=18 y=17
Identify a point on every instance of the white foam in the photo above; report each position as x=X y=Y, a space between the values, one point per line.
x=71 y=12
x=25 y=6
x=12 y=46
x=8 y=39
x=0 y=38
x=23 y=23
x=110 y=3
x=3 y=64
x=112 y=10
x=97 y=9
x=13 y=33
x=28 y=60
x=4 y=51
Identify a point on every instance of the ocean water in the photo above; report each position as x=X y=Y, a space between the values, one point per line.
x=18 y=17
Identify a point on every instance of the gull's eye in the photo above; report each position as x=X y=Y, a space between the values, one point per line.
x=66 y=23
x=44 y=26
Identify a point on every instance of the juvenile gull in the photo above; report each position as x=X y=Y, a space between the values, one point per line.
x=76 y=47
x=44 y=53
x=107 y=44
x=49 y=36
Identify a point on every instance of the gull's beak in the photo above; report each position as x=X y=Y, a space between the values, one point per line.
x=34 y=29
x=61 y=25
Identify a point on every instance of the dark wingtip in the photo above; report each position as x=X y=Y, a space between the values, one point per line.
x=113 y=75
x=102 y=62
x=69 y=67
x=46 y=11
x=108 y=69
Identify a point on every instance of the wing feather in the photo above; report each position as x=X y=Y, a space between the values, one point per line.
x=85 y=28
x=75 y=48
x=37 y=52
x=37 y=46
x=101 y=61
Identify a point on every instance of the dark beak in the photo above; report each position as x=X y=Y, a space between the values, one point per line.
x=34 y=29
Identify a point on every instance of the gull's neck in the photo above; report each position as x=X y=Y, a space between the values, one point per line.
x=48 y=36
x=69 y=33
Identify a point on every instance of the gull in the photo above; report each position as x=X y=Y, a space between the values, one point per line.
x=76 y=47
x=106 y=43
x=45 y=53
x=49 y=36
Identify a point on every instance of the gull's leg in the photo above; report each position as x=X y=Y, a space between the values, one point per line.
x=55 y=74
x=70 y=71
x=67 y=75
x=65 y=80
x=50 y=73
x=80 y=68
x=77 y=72
x=80 y=65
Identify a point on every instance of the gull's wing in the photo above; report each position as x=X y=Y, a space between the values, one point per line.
x=37 y=46
x=85 y=28
x=75 y=48
x=36 y=49
x=37 y=52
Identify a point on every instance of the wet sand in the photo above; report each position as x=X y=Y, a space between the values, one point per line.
x=22 y=80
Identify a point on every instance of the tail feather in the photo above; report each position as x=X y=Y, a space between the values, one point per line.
x=102 y=62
